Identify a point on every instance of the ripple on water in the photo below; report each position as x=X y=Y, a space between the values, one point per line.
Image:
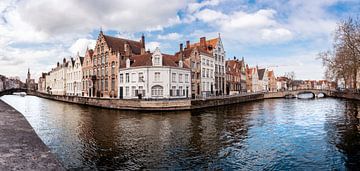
x=278 y=134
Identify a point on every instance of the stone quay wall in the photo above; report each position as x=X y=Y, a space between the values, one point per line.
x=20 y=146
x=186 y=104
x=126 y=104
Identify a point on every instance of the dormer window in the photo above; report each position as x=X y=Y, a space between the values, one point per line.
x=157 y=60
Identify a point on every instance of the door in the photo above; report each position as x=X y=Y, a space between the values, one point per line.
x=121 y=92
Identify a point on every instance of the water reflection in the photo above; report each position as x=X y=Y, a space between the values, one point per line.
x=279 y=134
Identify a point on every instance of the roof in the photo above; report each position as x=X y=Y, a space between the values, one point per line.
x=145 y=60
x=117 y=44
x=271 y=74
x=261 y=73
x=187 y=52
x=81 y=60
x=234 y=66
x=211 y=42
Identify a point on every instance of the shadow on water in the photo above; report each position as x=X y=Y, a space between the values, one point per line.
x=276 y=134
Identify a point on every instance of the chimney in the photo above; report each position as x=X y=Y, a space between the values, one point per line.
x=234 y=57
x=58 y=64
x=64 y=60
x=203 y=42
x=127 y=49
x=181 y=47
x=188 y=44
x=142 y=44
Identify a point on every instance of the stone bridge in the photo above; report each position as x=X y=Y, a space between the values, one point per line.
x=11 y=91
x=295 y=93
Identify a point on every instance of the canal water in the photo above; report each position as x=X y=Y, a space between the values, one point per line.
x=276 y=134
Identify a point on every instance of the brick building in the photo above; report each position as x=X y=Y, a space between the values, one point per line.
x=109 y=53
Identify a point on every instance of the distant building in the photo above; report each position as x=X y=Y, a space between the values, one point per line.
x=216 y=48
x=88 y=76
x=201 y=63
x=263 y=79
x=282 y=83
x=252 y=81
x=109 y=53
x=30 y=83
x=154 y=76
x=272 y=81
x=42 y=83
x=56 y=79
x=235 y=76
x=74 y=76
x=2 y=81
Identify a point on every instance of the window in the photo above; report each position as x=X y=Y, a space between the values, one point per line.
x=180 y=91
x=203 y=72
x=157 y=90
x=186 y=78
x=211 y=73
x=133 y=77
x=180 y=78
x=173 y=78
x=157 y=60
x=106 y=71
x=141 y=77
x=127 y=91
x=102 y=84
x=113 y=68
x=173 y=91
x=133 y=90
x=127 y=77
x=207 y=62
x=141 y=91
x=207 y=73
x=121 y=78
x=157 y=76
x=106 y=84
x=106 y=58
x=102 y=71
x=113 y=83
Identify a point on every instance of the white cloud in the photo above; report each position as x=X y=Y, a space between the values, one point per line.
x=80 y=46
x=259 y=27
x=170 y=36
x=82 y=16
x=195 y=6
x=152 y=46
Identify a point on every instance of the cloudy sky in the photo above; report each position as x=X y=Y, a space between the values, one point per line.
x=285 y=35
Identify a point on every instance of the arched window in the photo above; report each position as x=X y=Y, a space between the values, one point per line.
x=113 y=68
x=157 y=90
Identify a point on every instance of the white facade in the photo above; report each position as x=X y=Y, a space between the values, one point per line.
x=254 y=80
x=220 y=71
x=156 y=81
x=56 y=80
x=74 y=77
x=207 y=75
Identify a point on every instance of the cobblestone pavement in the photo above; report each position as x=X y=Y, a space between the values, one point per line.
x=20 y=146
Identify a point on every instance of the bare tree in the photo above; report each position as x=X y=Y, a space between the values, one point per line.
x=344 y=61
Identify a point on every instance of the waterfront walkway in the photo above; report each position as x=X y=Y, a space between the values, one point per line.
x=20 y=146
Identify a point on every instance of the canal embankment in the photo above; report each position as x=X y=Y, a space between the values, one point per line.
x=20 y=146
x=186 y=104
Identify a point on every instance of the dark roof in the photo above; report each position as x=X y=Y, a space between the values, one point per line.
x=117 y=44
x=261 y=73
x=81 y=60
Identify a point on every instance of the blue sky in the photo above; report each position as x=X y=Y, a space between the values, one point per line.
x=283 y=35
